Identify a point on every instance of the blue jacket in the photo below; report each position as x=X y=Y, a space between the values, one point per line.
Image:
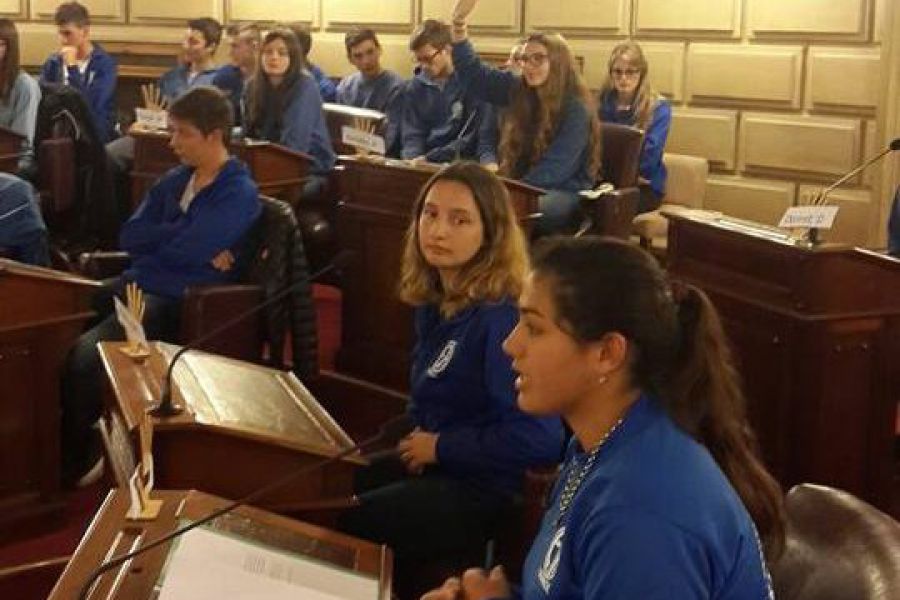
x=327 y=89
x=175 y=82
x=230 y=80
x=434 y=116
x=652 y=167
x=22 y=227
x=654 y=518
x=171 y=249
x=98 y=87
x=462 y=387
x=301 y=126
x=565 y=165
x=384 y=94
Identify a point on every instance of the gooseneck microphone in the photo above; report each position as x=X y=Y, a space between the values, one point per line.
x=389 y=433
x=892 y=147
x=166 y=408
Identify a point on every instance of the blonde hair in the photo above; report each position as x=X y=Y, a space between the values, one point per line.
x=645 y=98
x=563 y=81
x=496 y=271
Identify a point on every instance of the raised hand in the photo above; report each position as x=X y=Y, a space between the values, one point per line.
x=462 y=9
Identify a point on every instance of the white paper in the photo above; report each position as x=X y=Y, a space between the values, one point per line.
x=134 y=331
x=820 y=217
x=361 y=139
x=152 y=119
x=207 y=565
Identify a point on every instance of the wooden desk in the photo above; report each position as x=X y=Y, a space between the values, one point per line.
x=376 y=204
x=279 y=171
x=817 y=335
x=244 y=426
x=42 y=312
x=111 y=534
x=10 y=148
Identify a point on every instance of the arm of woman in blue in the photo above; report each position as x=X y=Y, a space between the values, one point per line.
x=483 y=81
x=655 y=142
x=512 y=442
x=298 y=122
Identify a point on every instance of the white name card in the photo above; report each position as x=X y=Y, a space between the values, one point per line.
x=361 y=139
x=809 y=217
x=152 y=119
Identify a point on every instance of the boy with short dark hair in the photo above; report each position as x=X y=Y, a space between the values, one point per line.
x=83 y=65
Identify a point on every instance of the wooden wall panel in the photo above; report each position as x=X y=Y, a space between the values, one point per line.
x=99 y=9
x=760 y=200
x=174 y=10
x=766 y=73
x=500 y=15
x=710 y=133
x=809 y=17
x=720 y=16
x=799 y=143
x=666 y=61
x=848 y=77
x=13 y=8
x=851 y=225
x=578 y=15
x=387 y=13
x=271 y=10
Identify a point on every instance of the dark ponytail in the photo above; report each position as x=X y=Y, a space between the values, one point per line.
x=704 y=397
x=679 y=355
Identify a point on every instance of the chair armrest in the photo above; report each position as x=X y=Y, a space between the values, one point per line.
x=610 y=213
x=103 y=265
x=206 y=307
x=56 y=166
x=358 y=406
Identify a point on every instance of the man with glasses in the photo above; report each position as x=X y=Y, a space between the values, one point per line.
x=440 y=120
x=372 y=86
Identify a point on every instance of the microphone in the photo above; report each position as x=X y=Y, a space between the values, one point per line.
x=390 y=432
x=166 y=408
x=892 y=147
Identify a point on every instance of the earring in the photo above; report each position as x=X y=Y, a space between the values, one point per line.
x=601 y=379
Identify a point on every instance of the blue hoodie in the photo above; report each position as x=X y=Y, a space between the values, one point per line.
x=171 y=249
x=383 y=93
x=894 y=226
x=652 y=167
x=97 y=86
x=654 y=518
x=463 y=388
x=434 y=116
x=327 y=88
x=175 y=82
x=565 y=165
x=301 y=126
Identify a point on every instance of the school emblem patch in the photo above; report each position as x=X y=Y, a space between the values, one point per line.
x=443 y=359
x=547 y=572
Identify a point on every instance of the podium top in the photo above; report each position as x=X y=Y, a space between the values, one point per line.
x=14 y=268
x=111 y=534
x=232 y=397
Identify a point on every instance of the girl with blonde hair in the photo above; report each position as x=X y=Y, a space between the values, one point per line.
x=627 y=98
x=463 y=266
x=550 y=136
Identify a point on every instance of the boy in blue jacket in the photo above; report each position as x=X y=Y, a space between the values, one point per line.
x=186 y=232
x=441 y=120
x=85 y=66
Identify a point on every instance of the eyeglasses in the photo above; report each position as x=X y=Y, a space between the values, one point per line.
x=426 y=60
x=619 y=73
x=532 y=60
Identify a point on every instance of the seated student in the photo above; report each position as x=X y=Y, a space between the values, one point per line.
x=663 y=494
x=22 y=228
x=551 y=134
x=243 y=51
x=627 y=98
x=463 y=265
x=372 y=86
x=85 y=66
x=197 y=65
x=186 y=232
x=894 y=226
x=327 y=88
x=20 y=93
x=441 y=120
x=282 y=105
x=491 y=123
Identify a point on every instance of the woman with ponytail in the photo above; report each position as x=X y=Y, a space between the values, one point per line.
x=662 y=494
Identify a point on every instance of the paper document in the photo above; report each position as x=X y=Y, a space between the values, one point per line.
x=208 y=565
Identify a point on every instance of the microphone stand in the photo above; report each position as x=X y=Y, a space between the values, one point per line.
x=166 y=408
